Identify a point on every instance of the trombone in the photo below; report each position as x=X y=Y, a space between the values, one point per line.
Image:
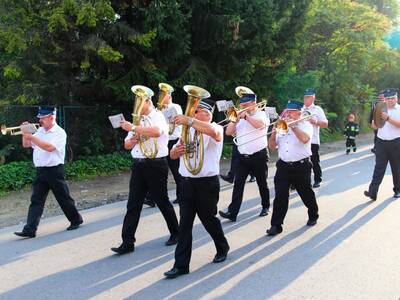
x=232 y=112
x=280 y=126
x=18 y=130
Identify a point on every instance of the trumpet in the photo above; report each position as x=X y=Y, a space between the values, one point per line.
x=281 y=126
x=18 y=130
x=232 y=112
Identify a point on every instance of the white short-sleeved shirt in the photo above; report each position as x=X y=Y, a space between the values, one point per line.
x=212 y=155
x=156 y=118
x=388 y=131
x=55 y=136
x=178 y=129
x=320 y=116
x=243 y=129
x=290 y=148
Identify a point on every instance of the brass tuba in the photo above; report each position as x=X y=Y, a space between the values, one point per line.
x=380 y=107
x=30 y=127
x=194 y=155
x=148 y=146
x=165 y=89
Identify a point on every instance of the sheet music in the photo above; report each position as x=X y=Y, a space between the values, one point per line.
x=28 y=128
x=116 y=120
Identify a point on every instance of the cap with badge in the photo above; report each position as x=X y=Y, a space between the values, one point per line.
x=207 y=104
x=45 y=111
x=294 y=105
x=248 y=98
x=309 y=92
x=390 y=93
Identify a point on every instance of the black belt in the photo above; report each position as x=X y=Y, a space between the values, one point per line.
x=254 y=154
x=144 y=159
x=48 y=168
x=388 y=141
x=295 y=163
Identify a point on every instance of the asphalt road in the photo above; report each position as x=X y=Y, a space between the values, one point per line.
x=352 y=253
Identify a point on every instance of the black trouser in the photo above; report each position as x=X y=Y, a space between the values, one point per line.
x=50 y=178
x=174 y=167
x=152 y=175
x=386 y=151
x=234 y=162
x=256 y=164
x=350 y=143
x=316 y=166
x=297 y=174
x=199 y=196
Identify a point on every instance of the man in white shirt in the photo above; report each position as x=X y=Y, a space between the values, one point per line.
x=148 y=174
x=251 y=133
x=293 y=168
x=387 y=147
x=172 y=140
x=200 y=192
x=319 y=121
x=48 y=145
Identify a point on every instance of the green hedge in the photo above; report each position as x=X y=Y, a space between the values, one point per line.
x=16 y=175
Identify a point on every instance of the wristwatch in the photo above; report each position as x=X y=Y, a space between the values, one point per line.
x=190 y=122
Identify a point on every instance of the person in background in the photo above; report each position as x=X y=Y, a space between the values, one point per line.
x=351 y=131
x=319 y=121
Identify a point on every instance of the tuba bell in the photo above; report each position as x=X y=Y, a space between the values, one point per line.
x=148 y=146
x=380 y=107
x=165 y=89
x=194 y=155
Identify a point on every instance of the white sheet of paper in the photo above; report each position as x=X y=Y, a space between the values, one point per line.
x=116 y=120
x=221 y=105
x=271 y=112
x=170 y=113
x=28 y=128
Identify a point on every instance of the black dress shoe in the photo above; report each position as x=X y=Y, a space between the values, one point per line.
x=25 y=234
x=317 y=184
x=252 y=179
x=74 y=226
x=396 y=195
x=175 y=272
x=148 y=202
x=220 y=257
x=274 y=230
x=176 y=201
x=227 y=215
x=264 y=212
x=372 y=197
x=227 y=178
x=173 y=239
x=311 y=222
x=124 y=248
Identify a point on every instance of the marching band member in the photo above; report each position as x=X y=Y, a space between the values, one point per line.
x=319 y=121
x=381 y=98
x=173 y=139
x=48 y=145
x=293 y=168
x=252 y=155
x=200 y=193
x=387 y=147
x=147 y=174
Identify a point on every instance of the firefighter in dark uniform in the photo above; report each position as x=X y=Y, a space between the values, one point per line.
x=351 y=131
